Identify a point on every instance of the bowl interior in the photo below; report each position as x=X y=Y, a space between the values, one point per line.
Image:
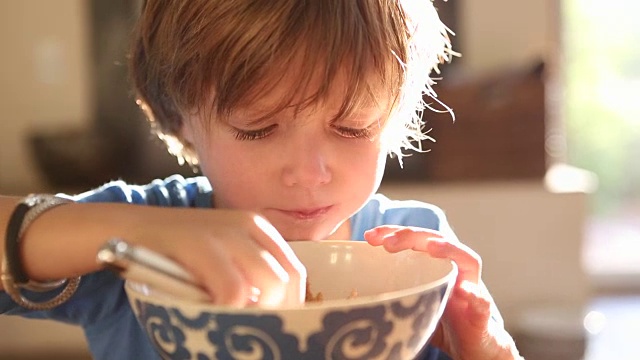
x=351 y=271
x=339 y=268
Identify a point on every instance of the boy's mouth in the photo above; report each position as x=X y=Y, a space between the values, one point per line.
x=305 y=213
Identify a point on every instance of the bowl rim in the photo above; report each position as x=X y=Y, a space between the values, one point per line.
x=450 y=277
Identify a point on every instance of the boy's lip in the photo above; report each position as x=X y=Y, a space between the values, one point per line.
x=306 y=213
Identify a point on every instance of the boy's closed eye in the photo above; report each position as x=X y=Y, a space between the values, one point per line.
x=257 y=134
x=355 y=132
x=350 y=130
x=362 y=127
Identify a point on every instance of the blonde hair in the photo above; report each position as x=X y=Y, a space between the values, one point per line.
x=191 y=54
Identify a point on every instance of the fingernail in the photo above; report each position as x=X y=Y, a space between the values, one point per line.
x=373 y=231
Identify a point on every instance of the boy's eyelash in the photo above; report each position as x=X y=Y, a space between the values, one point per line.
x=343 y=131
x=352 y=133
x=252 y=134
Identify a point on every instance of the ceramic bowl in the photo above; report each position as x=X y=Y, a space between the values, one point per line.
x=400 y=298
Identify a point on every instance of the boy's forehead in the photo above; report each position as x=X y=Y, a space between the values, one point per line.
x=270 y=106
x=292 y=94
x=306 y=81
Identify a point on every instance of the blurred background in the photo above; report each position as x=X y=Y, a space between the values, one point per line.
x=540 y=172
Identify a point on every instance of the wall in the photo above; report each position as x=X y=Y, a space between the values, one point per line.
x=44 y=84
x=44 y=80
x=499 y=33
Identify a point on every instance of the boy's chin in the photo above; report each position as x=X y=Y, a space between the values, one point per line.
x=305 y=234
x=322 y=229
x=303 y=237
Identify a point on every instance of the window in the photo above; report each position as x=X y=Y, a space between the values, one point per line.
x=602 y=113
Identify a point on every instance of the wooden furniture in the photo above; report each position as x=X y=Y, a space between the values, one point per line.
x=498 y=132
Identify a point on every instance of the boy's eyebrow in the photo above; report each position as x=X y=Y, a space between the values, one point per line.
x=368 y=112
x=251 y=118
x=254 y=119
x=258 y=121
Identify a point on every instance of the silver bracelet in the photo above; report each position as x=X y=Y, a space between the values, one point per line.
x=13 y=277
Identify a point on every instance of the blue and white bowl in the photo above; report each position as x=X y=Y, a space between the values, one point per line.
x=400 y=299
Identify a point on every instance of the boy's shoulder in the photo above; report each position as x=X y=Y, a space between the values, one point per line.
x=380 y=210
x=175 y=190
x=386 y=205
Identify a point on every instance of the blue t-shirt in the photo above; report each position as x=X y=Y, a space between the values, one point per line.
x=100 y=305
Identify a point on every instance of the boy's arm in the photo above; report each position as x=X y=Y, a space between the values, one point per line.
x=62 y=242
x=226 y=251
x=7 y=204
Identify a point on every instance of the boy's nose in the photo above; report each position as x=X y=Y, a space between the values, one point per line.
x=306 y=167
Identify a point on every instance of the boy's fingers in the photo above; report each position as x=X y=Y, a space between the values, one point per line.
x=269 y=238
x=479 y=306
x=240 y=271
x=263 y=272
x=468 y=261
x=398 y=238
x=229 y=286
x=432 y=242
x=376 y=236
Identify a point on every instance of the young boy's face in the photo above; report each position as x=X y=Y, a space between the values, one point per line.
x=304 y=173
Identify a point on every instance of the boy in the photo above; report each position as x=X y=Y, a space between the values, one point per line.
x=289 y=108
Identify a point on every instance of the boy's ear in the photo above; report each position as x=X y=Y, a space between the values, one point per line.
x=186 y=130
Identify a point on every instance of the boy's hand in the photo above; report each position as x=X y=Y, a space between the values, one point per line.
x=229 y=253
x=466 y=330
